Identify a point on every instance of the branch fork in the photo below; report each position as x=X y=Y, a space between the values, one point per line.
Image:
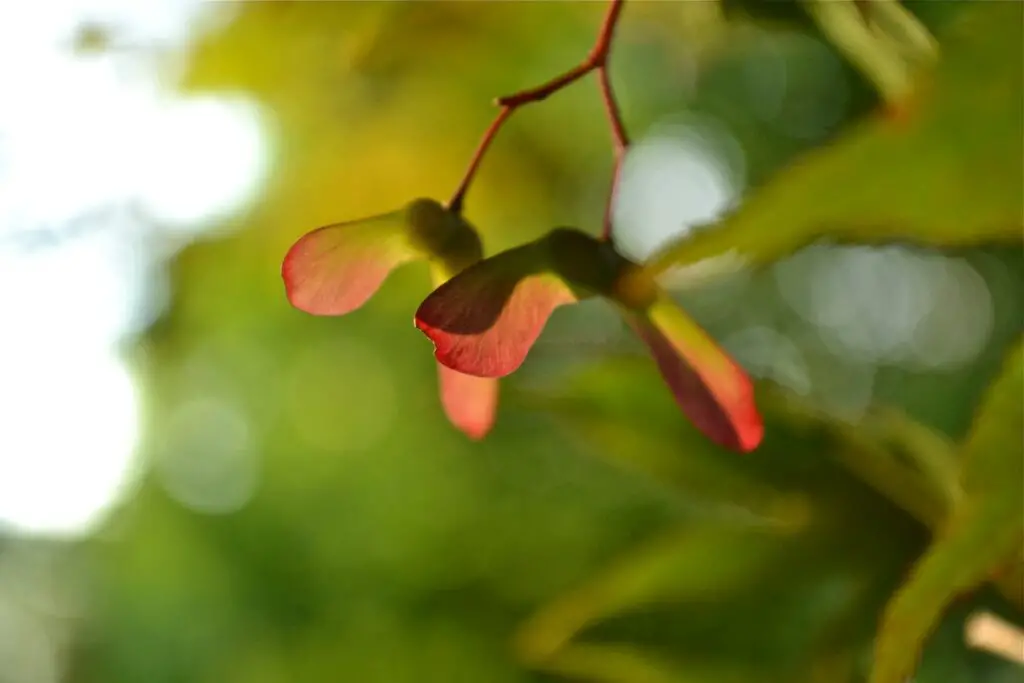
x=596 y=60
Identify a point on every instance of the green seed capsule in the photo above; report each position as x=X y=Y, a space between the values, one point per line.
x=444 y=236
x=595 y=265
x=582 y=260
x=430 y=225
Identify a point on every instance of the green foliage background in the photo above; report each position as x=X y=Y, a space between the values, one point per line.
x=594 y=535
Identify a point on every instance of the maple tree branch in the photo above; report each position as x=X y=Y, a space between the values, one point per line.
x=597 y=59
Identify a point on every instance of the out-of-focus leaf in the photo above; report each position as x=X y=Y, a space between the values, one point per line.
x=984 y=533
x=833 y=667
x=1010 y=581
x=932 y=454
x=708 y=560
x=947 y=173
x=622 y=664
x=884 y=40
x=621 y=407
x=925 y=489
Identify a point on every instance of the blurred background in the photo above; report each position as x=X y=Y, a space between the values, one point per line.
x=199 y=483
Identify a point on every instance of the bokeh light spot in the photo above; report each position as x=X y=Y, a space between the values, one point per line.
x=206 y=158
x=183 y=161
x=68 y=438
x=868 y=301
x=766 y=353
x=208 y=462
x=839 y=388
x=890 y=304
x=959 y=323
x=682 y=174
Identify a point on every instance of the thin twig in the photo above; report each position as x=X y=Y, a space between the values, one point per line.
x=455 y=204
x=597 y=60
x=620 y=142
x=611 y=105
x=543 y=91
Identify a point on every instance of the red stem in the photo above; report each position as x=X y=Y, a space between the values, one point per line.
x=599 y=54
x=542 y=92
x=619 y=137
x=455 y=204
x=620 y=141
x=597 y=59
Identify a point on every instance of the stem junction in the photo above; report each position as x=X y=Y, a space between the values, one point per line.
x=597 y=60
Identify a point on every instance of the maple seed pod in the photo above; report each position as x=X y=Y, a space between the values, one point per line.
x=443 y=235
x=462 y=250
x=485 y=320
x=597 y=268
x=335 y=269
x=583 y=261
x=429 y=224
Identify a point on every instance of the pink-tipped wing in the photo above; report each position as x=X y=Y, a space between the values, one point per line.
x=711 y=389
x=335 y=269
x=485 y=319
x=469 y=402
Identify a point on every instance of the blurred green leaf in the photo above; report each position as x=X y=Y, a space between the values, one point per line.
x=984 y=533
x=622 y=664
x=871 y=451
x=621 y=407
x=931 y=454
x=883 y=39
x=947 y=171
x=711 y=559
